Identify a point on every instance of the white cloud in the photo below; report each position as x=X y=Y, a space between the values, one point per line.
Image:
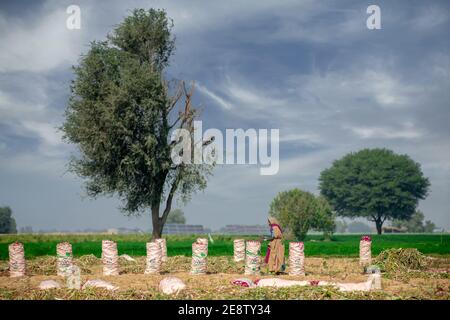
x=28 y=117
x=220 y=101
x=246 y=101
x=309 y=138
x=41 y=43
x=406 y=132
x=349 y=88
x=13 y=108
x=250 y=98
x=46 y=131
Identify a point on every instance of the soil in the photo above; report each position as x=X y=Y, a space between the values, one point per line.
x=133 y=284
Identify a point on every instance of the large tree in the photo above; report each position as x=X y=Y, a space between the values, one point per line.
x=121 y=114
x=7 y=222
x=376 y=184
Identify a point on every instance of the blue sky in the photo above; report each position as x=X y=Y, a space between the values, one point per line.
x=309 y=68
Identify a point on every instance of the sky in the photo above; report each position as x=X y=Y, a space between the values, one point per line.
x=311 y=69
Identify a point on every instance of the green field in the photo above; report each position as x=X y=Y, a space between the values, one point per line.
x=134 y=245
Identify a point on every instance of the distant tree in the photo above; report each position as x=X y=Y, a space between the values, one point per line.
x=341 y=226
x=415 y=224
x=429 y=227
x=26 y=229
x=301 y=211
x=358 y=227
x=7 y=222
x=121 y=115
x=176 y=216
x=13 y=226
x=376 y=184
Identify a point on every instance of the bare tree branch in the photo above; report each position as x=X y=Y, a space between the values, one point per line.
x=176 y=97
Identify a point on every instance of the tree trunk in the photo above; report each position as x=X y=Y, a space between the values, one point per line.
x=157 y=223
x=379 y=224
x=157 y=231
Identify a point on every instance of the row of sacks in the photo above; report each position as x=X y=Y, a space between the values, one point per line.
x=250 y=251
x=156 y=255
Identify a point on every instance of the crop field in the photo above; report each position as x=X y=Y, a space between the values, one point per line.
x=406 y=273
x=134 y=284
x=134 y=245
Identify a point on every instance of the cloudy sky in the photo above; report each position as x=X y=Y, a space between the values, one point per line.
x=309 y=68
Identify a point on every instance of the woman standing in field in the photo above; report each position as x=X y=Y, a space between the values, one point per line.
x=275 y=249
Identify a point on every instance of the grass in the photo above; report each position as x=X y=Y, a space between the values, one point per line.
x=134 y=244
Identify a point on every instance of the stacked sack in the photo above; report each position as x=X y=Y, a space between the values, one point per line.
x=253 y=258
x=199 y=254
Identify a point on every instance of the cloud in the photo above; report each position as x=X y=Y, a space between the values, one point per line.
x=40 y=43
x=220 y=101
x=50 y=138
x=362 y=86
x=251 y=98
x=14 y=108
x=310 y=69
x=408 y=132
x=308 y=138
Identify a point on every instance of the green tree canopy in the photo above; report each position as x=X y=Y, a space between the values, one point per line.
x=121 y=114
x=301 y=211
x=7 y=222
x=176 y=216
x=429 y=226
x=147 y=36
x=374 y=183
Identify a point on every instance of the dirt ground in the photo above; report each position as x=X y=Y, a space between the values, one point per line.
x=133 y=284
